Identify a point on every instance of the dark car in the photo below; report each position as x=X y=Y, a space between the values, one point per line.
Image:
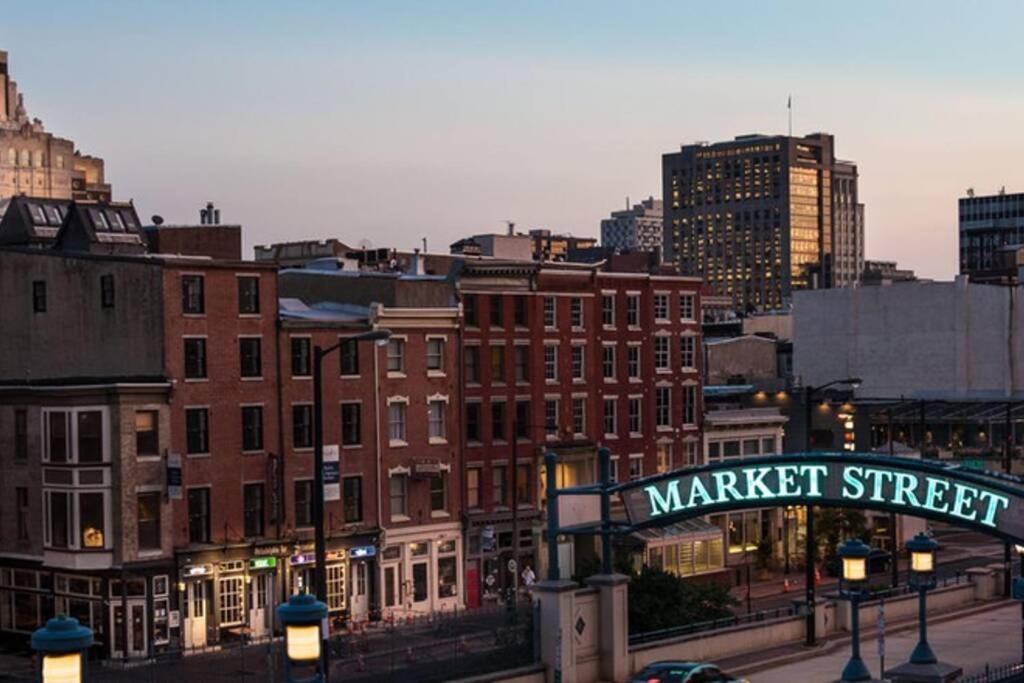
x=684 y=672
x=878 y=562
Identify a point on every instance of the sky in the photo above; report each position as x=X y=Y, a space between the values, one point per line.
x=390 y=122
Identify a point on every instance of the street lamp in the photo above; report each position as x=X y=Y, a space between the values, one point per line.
x=302 y=617
x=854 y=555
x=62 y=643
x=922 y=576
x=811 y=545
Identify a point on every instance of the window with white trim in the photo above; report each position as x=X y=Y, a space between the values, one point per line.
x=633 y=361
x=435 y=354
x=633 y=310
x=608 y=310
x=551 y=417
x=576 y=312
x=636 y=466
x=635 y=423
x=608 y=361
x=396 y=421
x=550 y=317
x=688 y=352
x=686 y=307
x=75 y=436
x=398 y=489
x=662 y=360
x=336 y=586
x=436 y=422
x=579 y=416
x=551 y=362
x=663 y=406
x=610 y=411
x=664 y=456
x=689 y=405
x=661 y=307
x=232 y=600
x=396 y=355
x=578 y=364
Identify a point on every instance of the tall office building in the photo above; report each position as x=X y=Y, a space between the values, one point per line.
x=987 y=225
x=635 y=229
x=760 y=216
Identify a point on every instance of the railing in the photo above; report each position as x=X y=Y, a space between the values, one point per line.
x=712 y=625
x=1008 y=673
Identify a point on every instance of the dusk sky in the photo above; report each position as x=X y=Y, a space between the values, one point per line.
x=396 y=121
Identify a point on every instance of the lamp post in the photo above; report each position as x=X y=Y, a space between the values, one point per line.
x=301 y=617
x=922 y=576
x=811 y=545
x=854 y=555
x=62 y=644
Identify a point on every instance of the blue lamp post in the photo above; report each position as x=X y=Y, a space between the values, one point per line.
x=854 y=556
x=302 y=617
x=922 y=576
x=62 y=644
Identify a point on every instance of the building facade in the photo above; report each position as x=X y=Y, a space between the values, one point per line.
x=987 y=225
x=761 y=216
x=637 y=228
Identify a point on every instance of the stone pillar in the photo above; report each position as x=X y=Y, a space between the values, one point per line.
x=557 y=652
x=614 y=614
x=984 y=582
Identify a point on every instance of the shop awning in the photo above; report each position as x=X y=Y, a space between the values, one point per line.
x=686 y=530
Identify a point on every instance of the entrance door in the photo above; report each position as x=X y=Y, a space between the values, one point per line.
x=196 y=607
x=392 y=588
x=129 y=638
x=262 y=588
x=360 y=604
x=420 y=585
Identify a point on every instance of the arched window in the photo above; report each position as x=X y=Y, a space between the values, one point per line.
x=12 y=157
x=25 y=160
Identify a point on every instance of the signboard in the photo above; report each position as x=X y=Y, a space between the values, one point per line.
x=199 y=570
x=428 y=468
x=362 y=551
x=487 y=539
x=512 y=565
x=332 y=473
x=174 y=481
x=304 y=558
x=852 y=480
x=173 y=619
x=263 y=563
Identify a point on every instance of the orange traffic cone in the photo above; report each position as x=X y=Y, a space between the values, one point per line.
x=817 y=576
x=785 y=585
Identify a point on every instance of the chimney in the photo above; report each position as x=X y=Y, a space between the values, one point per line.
x=414 y=266
x=3 y=86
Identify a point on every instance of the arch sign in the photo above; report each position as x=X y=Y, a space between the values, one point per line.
x=923 y=488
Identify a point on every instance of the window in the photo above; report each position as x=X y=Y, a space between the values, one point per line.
x=351 y=429
x=303 y=502
x=688 y=352
x=90 y=436
x=21 y=502
x=192 y=298
x=522 y=420
x=551 y=417
x=199 y=515
x=578 y=366
x=197 y=436
x=301 y=357
x=147 y=432
x=614 y=469
x=251 y=359
x=768 y=445
x=396 y=422
x=579 y=416
x=248 y=295
x=608 y=310
x=396 y=355
x=302 y=426
x=469 y=310
x=471 y=361
x=497 y=363
x=636 y=467
x=252 y=428
x=435 y=354
x=689 y=405
x=20 y=435
x=523 y=484
x=522 y=361
x=497 y=314
x=436 y=420
x=91 y=520
x=551 y=362
x=59 y=510
x=661 y=307
x=39 y=296
x=576 y=312
x=252 y=495
x=473 y=487
x=520 y=312
x=352 y=499
x=447 y=575
x=663 y=406
x=635 y=425
x=472 y=421
x=550 y=319
x=398 y=489
x=439 y=493
x=107 y=291
x=195 y=358
x=148 y=519
x=686 y=306
x=231 y=604
x=608 y=362
x=662 y=361
x=498 y=484
x=633 y=310
x=610 y=410
x=633 y=362
x=57 y=437
x=498 y=420
x=349 y=357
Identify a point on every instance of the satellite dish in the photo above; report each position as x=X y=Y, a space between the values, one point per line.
x=157 y=220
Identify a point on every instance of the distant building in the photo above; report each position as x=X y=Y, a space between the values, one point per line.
x=492 y=245
x=549 y=246
x=881 y=272
x=761 y=216
x=37 y=163
x=638 y=228
x=986 y=225
x=208 y=238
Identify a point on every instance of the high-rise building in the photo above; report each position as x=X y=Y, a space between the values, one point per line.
x=37 y=163
x=636 y=229
x=760 y=216
x=987 y=224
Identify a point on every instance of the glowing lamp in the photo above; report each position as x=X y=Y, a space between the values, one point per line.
x=301 y=618
x=303 y=642
x=922 y=553
x=62 y=644
x=854 y=555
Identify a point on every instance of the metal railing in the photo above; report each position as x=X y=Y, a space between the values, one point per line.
x=712 y=625
x=1007 y=673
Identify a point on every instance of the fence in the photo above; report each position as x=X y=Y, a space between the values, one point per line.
x=1008 y=673
x=712 y=625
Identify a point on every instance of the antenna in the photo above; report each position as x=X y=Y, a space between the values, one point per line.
x=511 y=228
x=424 y=245
x=789 y=108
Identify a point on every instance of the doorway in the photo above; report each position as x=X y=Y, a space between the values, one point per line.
x=130 y=633
x=261 y=592
x=360 y=604
x=197 y=598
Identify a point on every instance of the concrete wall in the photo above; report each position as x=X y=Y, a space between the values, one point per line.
x=76 y=337
x=913 y=339
x=753 y=358
x=364 y=289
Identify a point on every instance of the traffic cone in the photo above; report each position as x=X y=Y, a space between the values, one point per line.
x=817 y=576
x=785 y=585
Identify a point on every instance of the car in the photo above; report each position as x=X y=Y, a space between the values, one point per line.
x=683 y=672
x=878 y=562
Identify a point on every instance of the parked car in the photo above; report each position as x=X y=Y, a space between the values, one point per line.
x=878 y=563
x=684 y=672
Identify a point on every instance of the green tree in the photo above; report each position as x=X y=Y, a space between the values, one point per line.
x=660 y=600
x=836 y=525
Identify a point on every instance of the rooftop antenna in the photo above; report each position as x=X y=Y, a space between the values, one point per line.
x=424 y=245
x=511 y=228
x=627 y=202
x=789 y=108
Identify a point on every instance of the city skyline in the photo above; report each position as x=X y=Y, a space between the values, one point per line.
x=552 y=122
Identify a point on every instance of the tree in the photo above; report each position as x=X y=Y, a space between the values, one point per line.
x=660 y=600
x=835 y=525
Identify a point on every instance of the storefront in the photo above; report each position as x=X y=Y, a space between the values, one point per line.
x=419 y=570
x=489 y=548
x=691 y=548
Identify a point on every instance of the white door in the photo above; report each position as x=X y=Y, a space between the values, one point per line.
x=259 y=612
x=391 y=589
x=360 y=604
x=195 y=614
x=129 y=638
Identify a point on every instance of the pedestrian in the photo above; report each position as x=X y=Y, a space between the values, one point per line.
x=529 y=578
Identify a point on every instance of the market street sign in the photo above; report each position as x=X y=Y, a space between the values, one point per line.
x=910 y=486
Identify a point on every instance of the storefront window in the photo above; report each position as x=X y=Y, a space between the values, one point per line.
x=447 y=583
x=419 y=581
x=336 y=586
x=231 y=600
x=419 y=549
